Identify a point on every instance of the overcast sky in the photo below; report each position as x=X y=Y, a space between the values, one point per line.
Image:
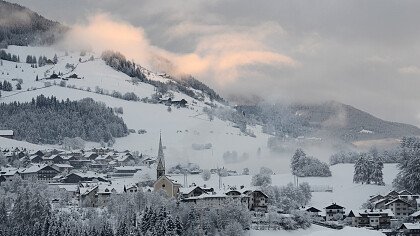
x=362 y=53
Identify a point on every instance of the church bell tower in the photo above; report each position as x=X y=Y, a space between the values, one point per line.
x=160 y=170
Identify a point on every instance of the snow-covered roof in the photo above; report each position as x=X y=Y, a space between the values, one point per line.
x=411 y=226
x=395 y=200
x=188 y=189
x=370 y=212
x=334 y=206
x=380 y=200
x=33 y=169
x=415 y=214
x=6 y=132
x=90 y=174
x=63 y=165
x=132 y=168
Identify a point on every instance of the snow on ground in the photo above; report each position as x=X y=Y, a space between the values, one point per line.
x=345 y=192
x=11 y=143
x=318 y=231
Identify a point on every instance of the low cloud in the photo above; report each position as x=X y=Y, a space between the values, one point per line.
x=216 y=58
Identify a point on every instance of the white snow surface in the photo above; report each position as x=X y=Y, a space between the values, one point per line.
x=318 y=231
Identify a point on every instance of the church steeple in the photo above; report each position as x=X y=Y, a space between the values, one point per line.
x=160 y=160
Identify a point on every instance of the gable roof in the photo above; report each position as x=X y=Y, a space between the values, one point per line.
x=405 y=192
x=397 y=200
x=372 y=212
x=410 y=226
x=313 y=209
x=334 y=206
x=415 y=214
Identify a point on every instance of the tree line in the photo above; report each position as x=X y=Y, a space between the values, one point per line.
x=48 y=120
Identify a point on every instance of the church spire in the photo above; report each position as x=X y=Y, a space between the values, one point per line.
x=160 y=160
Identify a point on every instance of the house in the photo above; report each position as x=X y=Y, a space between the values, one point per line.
x=404 y=192
x=43 y=173
x=410 y=229
x=376 y=218
x=416 y=216
x=148 y=161
x=63 y=168
x=39 y=153
x=193 y=191
x=7 y=134
x=36 y=158
x=131 y=189
x=400 y=208
x=258 y=201
x=9 y=174
x=392 y=194
x=380 y=204
x=88 y=196
x=312 y=211
x=53 y=159
x=334 y=212
x=90 y=155
x=77 y=164
x=375 y=198
x=104 y=159
x=124 y=159
x=84 y=177
x=126 y=170
x=180 y=103
x=208 y=200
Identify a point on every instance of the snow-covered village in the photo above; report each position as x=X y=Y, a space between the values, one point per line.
x=221 y=118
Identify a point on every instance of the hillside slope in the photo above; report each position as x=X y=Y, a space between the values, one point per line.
x=21 y=26
x=351 y=124
x=329 y=120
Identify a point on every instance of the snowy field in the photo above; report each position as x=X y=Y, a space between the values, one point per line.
x=318 y=231
x=345 y=192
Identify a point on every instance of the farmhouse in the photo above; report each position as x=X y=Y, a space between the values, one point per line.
x=376 y=218
x=43 y=173
x=400 y=208
x=334 y=212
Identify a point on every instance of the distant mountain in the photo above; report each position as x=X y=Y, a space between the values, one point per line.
x=330 y=119
x=21 y=26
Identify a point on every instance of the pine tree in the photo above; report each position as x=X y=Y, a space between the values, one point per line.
x=377 y=175
x=296 y=161
x=55 y=59
x=178 y=225
x=18 y=86
x=358 y=171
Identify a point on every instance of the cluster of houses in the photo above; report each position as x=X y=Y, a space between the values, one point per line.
x=386 y=211
x=92 y=188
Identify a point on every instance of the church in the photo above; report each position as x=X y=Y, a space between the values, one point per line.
x=163 y=182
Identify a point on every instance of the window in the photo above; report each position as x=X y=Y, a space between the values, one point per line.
x=163 y=185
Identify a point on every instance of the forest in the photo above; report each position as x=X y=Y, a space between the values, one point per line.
x=47 y=120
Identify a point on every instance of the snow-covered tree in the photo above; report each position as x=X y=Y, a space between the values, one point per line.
x=261 y=180
x=206 y=175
